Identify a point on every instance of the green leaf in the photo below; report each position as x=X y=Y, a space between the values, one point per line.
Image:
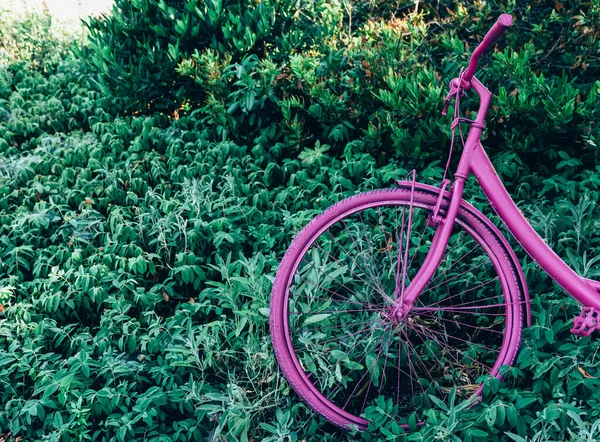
x=549 y=334
x=316 y=318
x=516 y=437
x=490 y=416
x=338 y=373
x=338 y=354
x=475 y=432
x=524 y=402
x=57 y=421
x=439 y=403
x=512 y=416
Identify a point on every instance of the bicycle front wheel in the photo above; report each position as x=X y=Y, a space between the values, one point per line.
x=335 y=337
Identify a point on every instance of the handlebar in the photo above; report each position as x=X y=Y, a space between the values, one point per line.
x=501 y=25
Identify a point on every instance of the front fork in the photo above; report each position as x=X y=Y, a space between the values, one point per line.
x=404 y=300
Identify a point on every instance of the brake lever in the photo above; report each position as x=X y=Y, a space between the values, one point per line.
x=454 y=91
x=446 y=105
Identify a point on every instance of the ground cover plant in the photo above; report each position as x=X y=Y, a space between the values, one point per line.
x=153 y=174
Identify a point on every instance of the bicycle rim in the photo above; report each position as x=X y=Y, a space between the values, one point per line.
x=335 y=337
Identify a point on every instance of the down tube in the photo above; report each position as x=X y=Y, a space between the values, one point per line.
x=535 y=246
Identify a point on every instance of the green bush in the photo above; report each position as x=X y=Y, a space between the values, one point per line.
x=144 y=213
x=31 y=36
x=375 y=90
x=138 y=48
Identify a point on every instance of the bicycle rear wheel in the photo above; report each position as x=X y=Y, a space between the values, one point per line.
x=333 y=333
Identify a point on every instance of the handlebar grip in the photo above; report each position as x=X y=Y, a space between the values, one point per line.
x=502 y=24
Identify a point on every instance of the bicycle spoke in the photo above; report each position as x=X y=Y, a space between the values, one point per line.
x=358 y=277
x=341 y=343
x=462 y=340
x=376 y=274
x=366 y=353
x=377 y=285
x=449 y=350
x=453 y=278
x=343 y=327
x=463 y=292
x=327 y=275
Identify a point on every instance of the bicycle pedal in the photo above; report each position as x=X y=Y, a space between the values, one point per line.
x=586 y=323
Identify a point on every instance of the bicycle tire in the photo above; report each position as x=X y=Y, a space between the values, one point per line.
x=280 y=334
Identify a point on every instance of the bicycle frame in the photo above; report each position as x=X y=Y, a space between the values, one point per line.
x=475 y=161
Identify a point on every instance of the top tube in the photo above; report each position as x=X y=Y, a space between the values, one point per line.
x=501 y=25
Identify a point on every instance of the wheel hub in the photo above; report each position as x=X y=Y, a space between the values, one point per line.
x=397 y=314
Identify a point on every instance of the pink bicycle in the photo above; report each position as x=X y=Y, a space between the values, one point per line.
x=409 y=292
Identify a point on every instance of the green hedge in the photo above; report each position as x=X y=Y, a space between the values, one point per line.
x=31 y=35
x=144 y=212
x=376 y=90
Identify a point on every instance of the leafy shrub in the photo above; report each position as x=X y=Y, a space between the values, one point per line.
x=138 y=246
x=138 y=48
x=32 y=36
x=359 y=92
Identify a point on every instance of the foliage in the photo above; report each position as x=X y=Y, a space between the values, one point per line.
x=359 y=83
x=138 y=49
x=138 y=247
x=32 y=36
